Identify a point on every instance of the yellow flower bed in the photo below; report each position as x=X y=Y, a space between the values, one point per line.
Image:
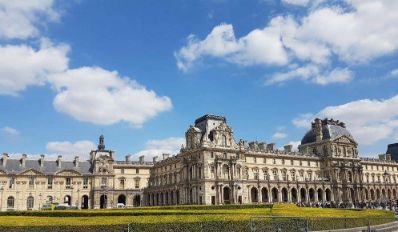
x=187 y=214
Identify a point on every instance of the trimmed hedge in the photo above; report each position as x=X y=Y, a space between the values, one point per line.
x=139 y=211
x=275 y=224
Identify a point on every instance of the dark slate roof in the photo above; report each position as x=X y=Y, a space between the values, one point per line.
x=210 y=116
x=393 y=151
x=329 y=132
x=13 y=166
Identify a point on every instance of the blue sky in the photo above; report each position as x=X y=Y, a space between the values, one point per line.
x=141 y=72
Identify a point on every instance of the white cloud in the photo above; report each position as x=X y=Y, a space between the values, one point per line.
x=279 y=135
x=312 y=73
x=394 y=72
x=154 y=148
x=69 y=150
x=368 y=120
x=9 y=131
x=356 y=34
x=258 y=47
x=296 y=2
x=96 y=95
x=295 y=145
x=22 y=66
x=19 y=19
x=303 y=120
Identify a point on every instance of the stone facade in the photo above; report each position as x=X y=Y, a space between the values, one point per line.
x=213 y=169
x=100 y=182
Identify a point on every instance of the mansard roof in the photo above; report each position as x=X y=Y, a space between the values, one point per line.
x=210 y=116
x=331 y=130
x=50 y=167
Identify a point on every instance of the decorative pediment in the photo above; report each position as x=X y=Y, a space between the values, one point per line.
x=344 y=139
x=223 y=127
x=31 y=172
x=68 y=172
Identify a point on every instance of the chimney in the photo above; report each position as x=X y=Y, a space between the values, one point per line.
x=288 y=148
x=262 y=146
x=155 y=158
x=59 y=161
x=271 y=147
x=141 y=159
x=4 y=159
x=165 y=156
x=41 y=160
x=127 y=157
x=318 y=129
x=76 y=161
x=23 y=160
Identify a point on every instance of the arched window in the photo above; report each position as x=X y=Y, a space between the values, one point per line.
x=30 y=202
x=10 y=202
x=224 y=140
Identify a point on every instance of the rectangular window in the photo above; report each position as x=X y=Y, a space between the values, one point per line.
x=122 y=171
x=68 y=183
x=122 y=183
x=11 y=183
x=104 y=182
x=255 y=159
x=137 y=183
x=85 y=182
x=31 y=182
x=137 y=171
x=50 y=183
x=265 y=160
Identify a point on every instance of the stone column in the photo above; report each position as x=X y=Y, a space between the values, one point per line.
x=307 y=197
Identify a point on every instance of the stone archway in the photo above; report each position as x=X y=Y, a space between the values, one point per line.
x=285 y=197
x=294 y=194
x=264 y=194
x=103 y=201
x=227 y=195
x=137 y=201
x=320 y=195
x=275 y=195
x=352 y=194
x=84 y=202
x=311 y=194
x=303 y=195
x=328 y=195
x=254 y=194
x=372 y=195
x=366 y=193
x=121 y=199
x=68 y=200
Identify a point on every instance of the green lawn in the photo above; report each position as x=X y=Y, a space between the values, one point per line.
x=179 y=215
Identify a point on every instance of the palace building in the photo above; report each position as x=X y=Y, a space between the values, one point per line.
x=214 y=169
x=100 y=182
x=211 y=169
